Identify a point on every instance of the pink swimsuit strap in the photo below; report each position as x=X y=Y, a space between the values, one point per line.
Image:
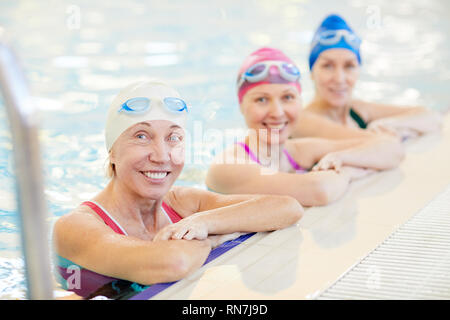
x=173 y=215
x=249 y=152
x=105 y=217
x=294 y=164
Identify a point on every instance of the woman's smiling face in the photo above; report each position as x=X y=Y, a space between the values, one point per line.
x=273 y=108
x=334 y=74
x=148 y=157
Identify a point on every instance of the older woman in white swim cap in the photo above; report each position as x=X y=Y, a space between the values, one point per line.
x=140 y=228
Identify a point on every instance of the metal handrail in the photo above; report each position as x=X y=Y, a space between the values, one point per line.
x=22 y=116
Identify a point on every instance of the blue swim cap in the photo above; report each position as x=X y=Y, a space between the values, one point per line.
x=333 y=32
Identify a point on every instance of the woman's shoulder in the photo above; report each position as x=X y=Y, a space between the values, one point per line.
x=187 y=194
x=311 y=124
x=229 y=154
x=305 y=150
x=74 y=229
x=179 y=191
x=312 y=107
x=186 y=200
x=238 y=153
x=362 y=109
x=78 y=216
x=227 y=174
x=311 y=116
x=203 y=200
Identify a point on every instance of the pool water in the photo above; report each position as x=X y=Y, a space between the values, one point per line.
x=78 y=56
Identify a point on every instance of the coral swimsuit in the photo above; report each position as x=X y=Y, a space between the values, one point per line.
x=90 y=281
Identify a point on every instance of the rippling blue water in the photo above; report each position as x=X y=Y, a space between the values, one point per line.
x=78 y=54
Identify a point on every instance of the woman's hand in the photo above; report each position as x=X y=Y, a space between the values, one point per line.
x=189 y=228
x=387 y=126
x=406 y=133
x=383 y=126
x=355 y=173
x=331 y=161
x=217 y=240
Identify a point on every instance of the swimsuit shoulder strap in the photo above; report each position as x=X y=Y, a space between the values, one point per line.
x=293 y=163
x=107 y=218
x=173 y=215
x=358 y=119
x=249 y=152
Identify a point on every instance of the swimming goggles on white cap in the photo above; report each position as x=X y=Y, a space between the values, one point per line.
x=143 y=101
x=331 y=37
x=141 y=105
x=260 y=71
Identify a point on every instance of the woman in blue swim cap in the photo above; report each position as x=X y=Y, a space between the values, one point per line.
x=334 y=62
x=139 y=227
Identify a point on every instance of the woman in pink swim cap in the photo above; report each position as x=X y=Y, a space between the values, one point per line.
x=315 y=171
x=265 y=55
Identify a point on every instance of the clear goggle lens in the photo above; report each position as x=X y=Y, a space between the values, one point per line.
x=142 y=104
x=330 y=37
x=260 y=71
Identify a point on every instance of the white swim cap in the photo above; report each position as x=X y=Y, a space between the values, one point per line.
x=143 y=101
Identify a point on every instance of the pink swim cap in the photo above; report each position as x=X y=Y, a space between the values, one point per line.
x=264 y=54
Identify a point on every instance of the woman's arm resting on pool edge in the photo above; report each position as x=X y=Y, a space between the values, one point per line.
x=379 y=153
x=419 y=119
x=88 y=242
x=214 y=213
x=310 y=189
x=313 y=125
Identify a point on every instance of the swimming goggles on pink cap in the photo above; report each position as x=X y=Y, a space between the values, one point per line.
x=331 y=37
x=140 y=105
x=260 y=71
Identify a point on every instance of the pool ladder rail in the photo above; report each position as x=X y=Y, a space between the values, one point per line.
x=22 y=116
